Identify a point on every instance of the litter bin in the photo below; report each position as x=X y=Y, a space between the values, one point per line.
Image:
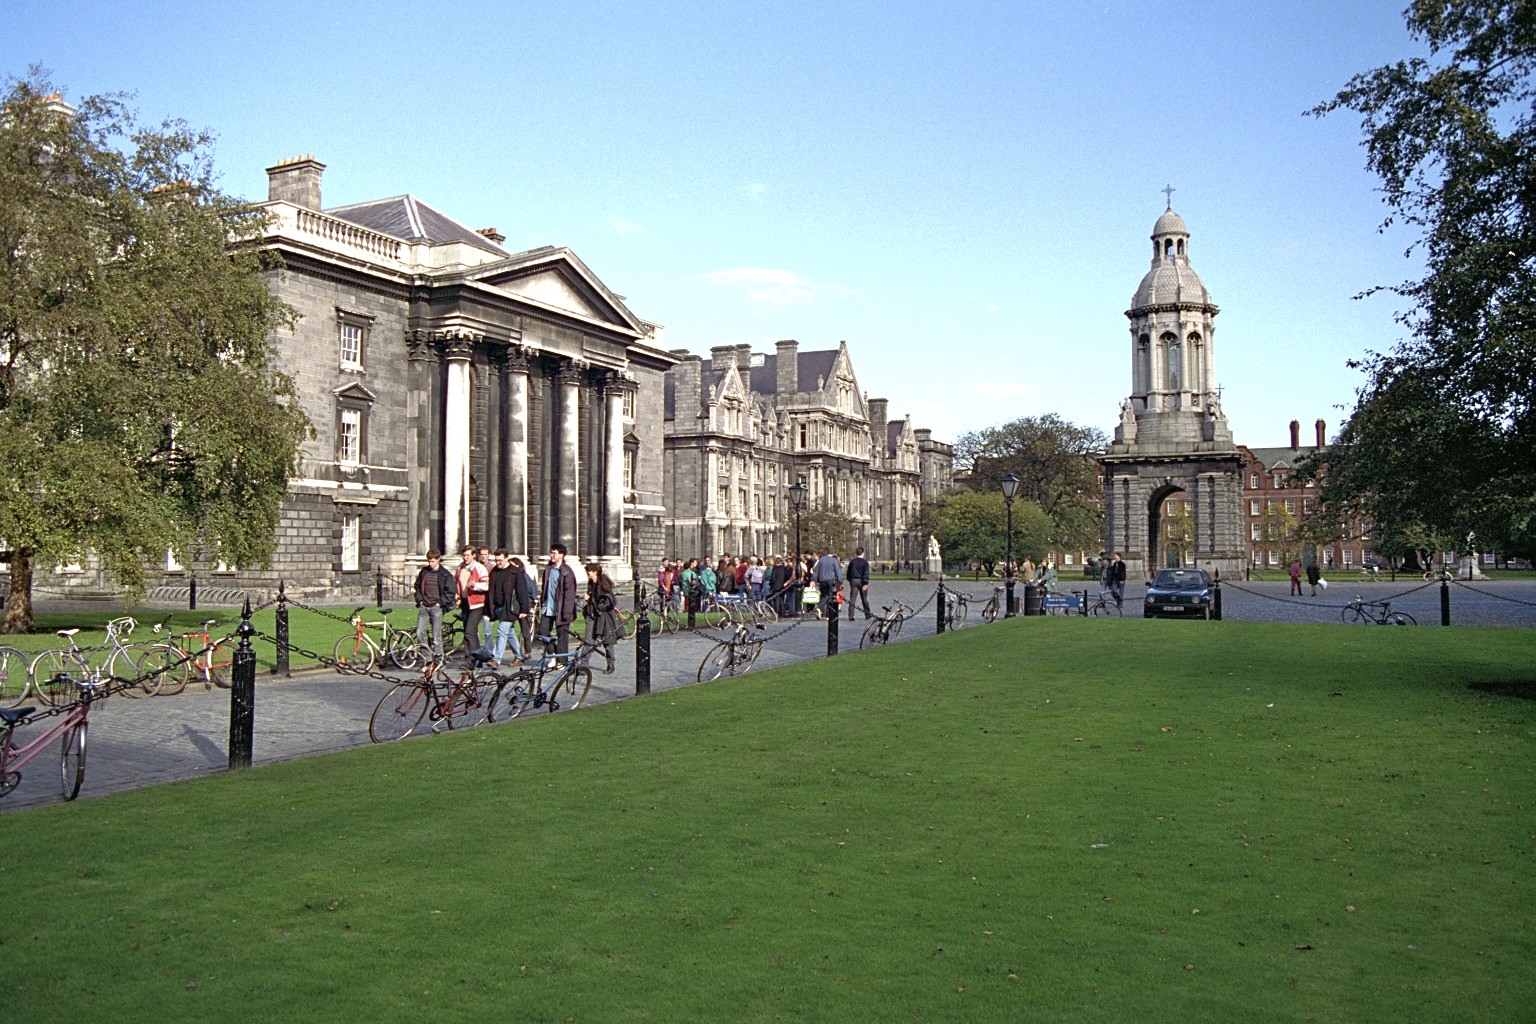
x=1033 y=593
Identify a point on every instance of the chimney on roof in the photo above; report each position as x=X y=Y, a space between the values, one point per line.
x=686 y=382
x=492 y=234
x=1295 y=435
x=744 y=358
x=722 y=357
x=296 y=180
x=879 y=409
x=1322 y=434
x=788 y=367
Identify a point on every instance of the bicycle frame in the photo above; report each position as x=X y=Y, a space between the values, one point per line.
x=13 y=758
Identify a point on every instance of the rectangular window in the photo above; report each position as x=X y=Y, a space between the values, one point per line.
x=629 y=404
x=802 y=435
x=1253 y=481
x=629 y=469
x=1306 y=505
x=349 y=440
x=351 y=542
x=1066 y=559
x=1258 y=531
x=1349 y=557
x=1254 y=508
x=1274 y=558
x=1258 y=557
x=1290 y=505
x=351 y=346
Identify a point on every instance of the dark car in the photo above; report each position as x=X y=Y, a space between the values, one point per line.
x=1180 y=593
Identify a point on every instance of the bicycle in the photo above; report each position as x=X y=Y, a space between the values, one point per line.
x=1372 y=572
x=168 y=666
x=360 y=652
x=1378 y=612
x=1441 y=575
x=956 y=607
x=63 y=662
x=994 y=604
x=1105 y=605
x=572 y=682
x=732 y=656
x=462 y=703
x=885 y=627
x=72 y=726
x=667 y=615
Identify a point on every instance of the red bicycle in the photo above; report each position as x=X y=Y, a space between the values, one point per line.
x=72 y=724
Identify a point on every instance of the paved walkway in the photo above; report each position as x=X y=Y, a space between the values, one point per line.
x=143 y=742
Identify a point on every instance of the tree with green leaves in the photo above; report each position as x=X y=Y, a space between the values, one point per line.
x=1443 y=434
x=827 y=528
x=138 y=410
x=1055 y=463
x=973 y=527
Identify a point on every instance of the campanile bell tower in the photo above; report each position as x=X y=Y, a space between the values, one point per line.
x=1173 y=451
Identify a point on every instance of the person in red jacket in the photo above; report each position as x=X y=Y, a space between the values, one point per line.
x=474 y=580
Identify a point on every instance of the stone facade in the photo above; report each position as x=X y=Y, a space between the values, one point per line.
x=459 y=392
x=1173 y=438
x=743 y=427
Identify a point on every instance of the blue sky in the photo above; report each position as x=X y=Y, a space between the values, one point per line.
x=962 y=191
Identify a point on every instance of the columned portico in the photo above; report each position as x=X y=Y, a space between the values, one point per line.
x=568 y=380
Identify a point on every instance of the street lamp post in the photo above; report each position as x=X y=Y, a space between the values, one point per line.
x=1010 y=489
x=797 y=502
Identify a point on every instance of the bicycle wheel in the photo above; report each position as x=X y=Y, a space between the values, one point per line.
x=353 y=654
x=754 y=649
x=409 y=657
x=1353 y=614
x=43 y=670
x=72 y=760
x=217 y=661
x=716 y=663
x=13 y=677
x=507 y=702
x=472 y=702
x=989 y=611
x=1400 y=619
x=161 y=669
x=672 y=620
x=766 y=613
x=453 y=636
x=400 y=711
x=872 y=635
x=571 y=689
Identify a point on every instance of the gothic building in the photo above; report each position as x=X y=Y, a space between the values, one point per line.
x=1173 y=438
x=743 y=427
x=459 y=392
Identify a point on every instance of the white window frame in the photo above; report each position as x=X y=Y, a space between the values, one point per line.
x=351 y=542
x=349 y=445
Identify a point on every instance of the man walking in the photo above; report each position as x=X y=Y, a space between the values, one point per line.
x=557 y=607
x=1115 y=577
x=474 y=582
x=435 y=592
x=858 y=582
x=828 y=576
x=509 y=605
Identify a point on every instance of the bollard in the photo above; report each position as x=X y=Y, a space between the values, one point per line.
x=378 y=586
x=192 y=593
x=1082 y=606
x=642 y=642
x=282 y=668
x=689 y=601
x=242 y=695
x=1445 y=602
x=939 y=601
x=1216 y=596
x=832 y=621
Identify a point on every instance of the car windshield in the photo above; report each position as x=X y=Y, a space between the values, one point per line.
x=1179 y=579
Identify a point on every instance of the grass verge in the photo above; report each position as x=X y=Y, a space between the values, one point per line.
x=1147 y=821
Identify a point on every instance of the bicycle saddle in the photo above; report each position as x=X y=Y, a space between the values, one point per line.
x=15 y=716
x=66 y=633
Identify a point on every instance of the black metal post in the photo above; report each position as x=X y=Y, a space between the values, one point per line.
x=282 y=668
x=799 y=591
x=1216 y=596
x=642 y=641
x=1082 y=608
x=242 y=695
x=1008 y=565
x=832 y=621
x=192 y=592
x=939 y=601
x=378 y=585
x=1445 y=602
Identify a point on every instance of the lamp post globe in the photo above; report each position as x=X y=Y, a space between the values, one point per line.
x=1010 y=485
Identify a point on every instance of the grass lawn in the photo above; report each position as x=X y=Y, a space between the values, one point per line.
x=1044 y=820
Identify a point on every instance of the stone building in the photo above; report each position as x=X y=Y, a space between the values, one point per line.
x=1172 y=438
x=743 y=427
x=459 y=392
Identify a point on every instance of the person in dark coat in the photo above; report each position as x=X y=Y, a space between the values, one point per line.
x=557 y=600
x=858 y=582
x=507 y=608
x=436 y=591
x=601 y=612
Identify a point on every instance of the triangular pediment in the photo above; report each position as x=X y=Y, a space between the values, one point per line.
x=557 y=279
x=355 y=392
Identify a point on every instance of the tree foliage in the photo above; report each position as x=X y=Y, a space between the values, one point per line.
x=138 y=411
x=1054 y=461
x=1442 y=440
x=973 y=527
x=827 y=528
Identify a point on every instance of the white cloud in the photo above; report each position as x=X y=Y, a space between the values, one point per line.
x=624 y=227
x=764 y=288
x=755 y=189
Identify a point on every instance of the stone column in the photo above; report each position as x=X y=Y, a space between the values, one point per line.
x=418 y=433
x=459 y=351
x=615 y=388
x=569 y=378
x=515 y=455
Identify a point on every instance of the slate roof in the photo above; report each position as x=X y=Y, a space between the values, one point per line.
x=893 y=431
x=413 y=220
x=1274 y=458
x=808 y=365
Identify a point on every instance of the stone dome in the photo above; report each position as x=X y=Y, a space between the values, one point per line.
x=1169 y=223
x=1171 y=280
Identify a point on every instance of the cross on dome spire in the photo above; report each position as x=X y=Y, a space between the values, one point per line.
x=1168 y=190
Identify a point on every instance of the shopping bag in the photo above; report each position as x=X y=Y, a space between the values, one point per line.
x=810 y=596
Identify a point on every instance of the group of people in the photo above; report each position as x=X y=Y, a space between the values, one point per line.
x=504 y=605
x=692 y=584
